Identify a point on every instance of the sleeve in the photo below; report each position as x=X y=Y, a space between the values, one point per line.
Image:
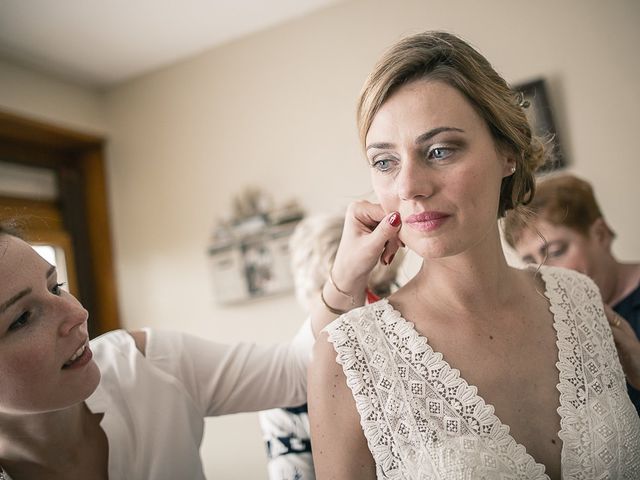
x=244 y=377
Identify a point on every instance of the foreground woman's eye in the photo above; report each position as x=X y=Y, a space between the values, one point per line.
x=20 y=322
x=57 y=289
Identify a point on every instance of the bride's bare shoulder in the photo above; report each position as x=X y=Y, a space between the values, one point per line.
x=528 y=287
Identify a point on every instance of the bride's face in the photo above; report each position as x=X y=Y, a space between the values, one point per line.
x=42 y=331
x=434 y=160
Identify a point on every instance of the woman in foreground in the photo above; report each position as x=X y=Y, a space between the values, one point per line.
x=123 y=406
x=473 y=369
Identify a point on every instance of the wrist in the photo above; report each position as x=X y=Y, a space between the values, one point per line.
x=346 y=282
x=335 y=300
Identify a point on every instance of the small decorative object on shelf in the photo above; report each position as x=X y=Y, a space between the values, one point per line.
x=250 y=252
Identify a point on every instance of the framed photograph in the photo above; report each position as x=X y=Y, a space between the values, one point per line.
x=254 y=266
x=539 y=113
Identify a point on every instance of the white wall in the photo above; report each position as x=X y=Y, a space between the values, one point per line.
x=277 y=109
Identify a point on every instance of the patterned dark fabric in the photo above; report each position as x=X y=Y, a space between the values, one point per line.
x=287 y=445
x=629 y=309
x=286 y=436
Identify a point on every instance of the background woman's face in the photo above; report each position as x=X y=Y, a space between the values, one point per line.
x=434 y=160
x=564 y=247
x=41 y=327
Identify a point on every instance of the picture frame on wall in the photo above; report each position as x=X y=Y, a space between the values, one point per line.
x=540 y=114
x=254 y=265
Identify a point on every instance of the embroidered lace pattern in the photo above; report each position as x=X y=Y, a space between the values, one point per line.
x=423 y=421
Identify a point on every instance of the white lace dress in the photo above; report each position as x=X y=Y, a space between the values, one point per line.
x=423 y=421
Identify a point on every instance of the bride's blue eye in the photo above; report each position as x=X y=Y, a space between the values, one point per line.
x=439 y=153
x=382 y=165
x=20 y=322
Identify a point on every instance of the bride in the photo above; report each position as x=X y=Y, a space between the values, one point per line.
x=473 y=369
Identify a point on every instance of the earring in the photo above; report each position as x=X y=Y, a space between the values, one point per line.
x=513 y=170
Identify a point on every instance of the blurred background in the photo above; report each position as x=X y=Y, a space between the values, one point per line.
x=130 y=127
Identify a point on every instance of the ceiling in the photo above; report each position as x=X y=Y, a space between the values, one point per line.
x=101 y=43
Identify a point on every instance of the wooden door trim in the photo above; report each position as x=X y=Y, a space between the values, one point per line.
x=27 y=141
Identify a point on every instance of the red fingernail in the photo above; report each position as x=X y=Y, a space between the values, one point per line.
x=394 y=219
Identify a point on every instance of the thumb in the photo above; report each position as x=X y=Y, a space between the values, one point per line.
x=385 y=236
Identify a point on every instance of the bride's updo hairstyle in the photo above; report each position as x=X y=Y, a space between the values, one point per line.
x=444 y=57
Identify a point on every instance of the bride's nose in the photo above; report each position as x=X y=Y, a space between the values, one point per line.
x=414 y=180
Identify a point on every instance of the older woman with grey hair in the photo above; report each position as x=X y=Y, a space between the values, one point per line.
x=313 y=248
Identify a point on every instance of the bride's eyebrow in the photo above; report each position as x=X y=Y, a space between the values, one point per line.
x=421 y=138
x=380 y=146
x=436 y=131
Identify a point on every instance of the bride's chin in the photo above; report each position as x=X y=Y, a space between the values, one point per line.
x=428 y=248
x=438 y=252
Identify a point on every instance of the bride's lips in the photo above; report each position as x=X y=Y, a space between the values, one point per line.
x=426 y=221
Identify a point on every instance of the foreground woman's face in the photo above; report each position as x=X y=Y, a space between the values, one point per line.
x=42 y=331
x=434 y=160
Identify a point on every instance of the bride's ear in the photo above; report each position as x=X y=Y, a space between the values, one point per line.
x=509 y=166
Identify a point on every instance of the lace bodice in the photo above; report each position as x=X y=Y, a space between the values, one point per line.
x=423 y=421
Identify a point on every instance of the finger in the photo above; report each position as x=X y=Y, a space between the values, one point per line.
x=612 y=317
x=385 y=237
x=615 y=321
x=389 y=252
x=623 y=333
x=626 y=329
x=367 y=214
x=618 y=337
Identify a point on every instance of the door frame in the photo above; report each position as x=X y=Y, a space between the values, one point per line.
x=79 y=162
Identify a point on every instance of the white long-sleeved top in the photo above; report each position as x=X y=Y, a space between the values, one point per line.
x=154 y=404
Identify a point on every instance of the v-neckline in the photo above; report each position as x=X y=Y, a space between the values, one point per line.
x=471 y=391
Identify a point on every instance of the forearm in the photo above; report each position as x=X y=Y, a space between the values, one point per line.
x=330 y=299
x=242 y=377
